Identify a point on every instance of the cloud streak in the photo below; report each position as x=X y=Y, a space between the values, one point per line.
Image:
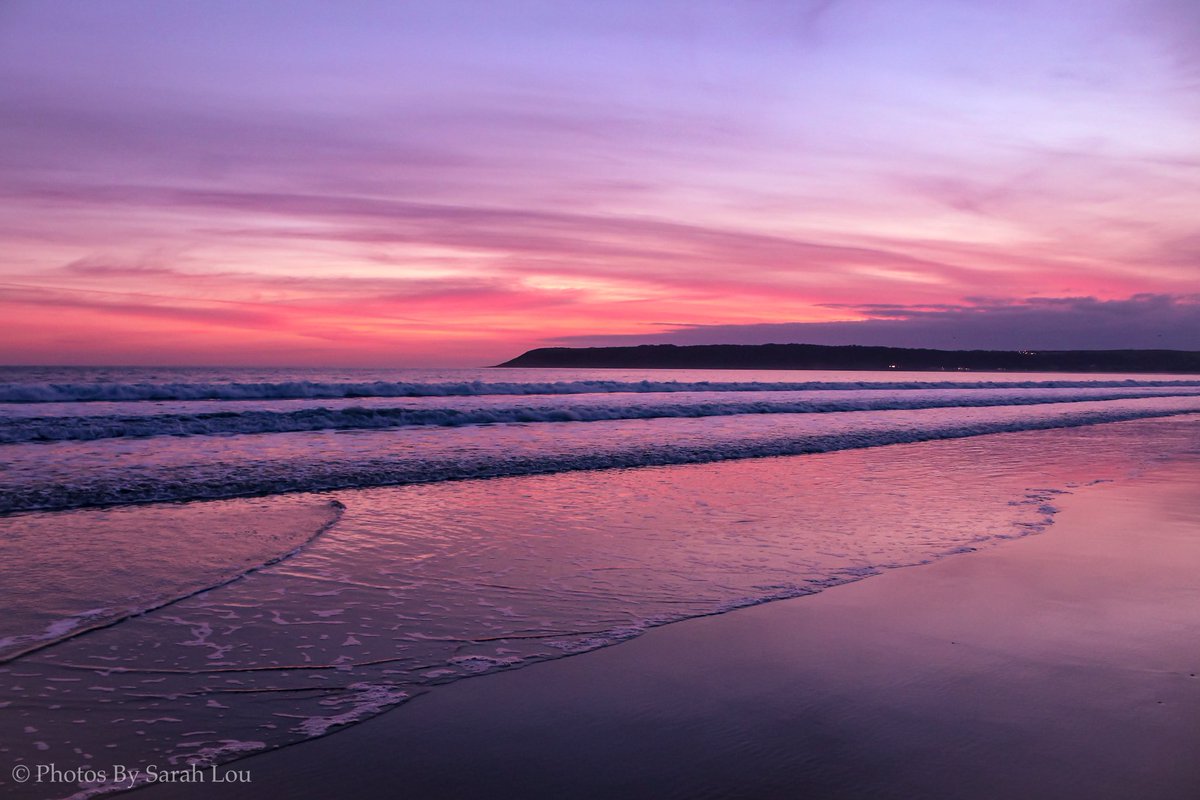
x=1060 y=323
x=372 y=183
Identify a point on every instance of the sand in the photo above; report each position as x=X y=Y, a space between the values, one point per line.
x=1062 y=665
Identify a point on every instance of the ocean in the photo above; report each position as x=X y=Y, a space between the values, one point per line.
x=197 y=564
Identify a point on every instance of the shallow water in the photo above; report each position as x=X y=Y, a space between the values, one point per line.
x=618 y=502
x=68 y=573
x=419 y=585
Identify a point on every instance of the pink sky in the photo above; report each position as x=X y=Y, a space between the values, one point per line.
x=453 y=183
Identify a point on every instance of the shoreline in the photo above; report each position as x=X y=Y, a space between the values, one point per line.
x=1056 y=665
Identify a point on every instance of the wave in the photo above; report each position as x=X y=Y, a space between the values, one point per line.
x=219 y=481
x=296 y=390
x=81 y=623
x=88 y=428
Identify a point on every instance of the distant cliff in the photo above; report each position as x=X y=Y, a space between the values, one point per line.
x=854 y=357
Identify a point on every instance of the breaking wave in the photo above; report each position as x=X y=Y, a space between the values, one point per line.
x=92 y=427
x=212 y=481
x=125 y=392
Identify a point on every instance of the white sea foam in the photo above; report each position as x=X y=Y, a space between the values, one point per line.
x=113 y=392
x=362 y=700
x=318 y=469
x=93 y=427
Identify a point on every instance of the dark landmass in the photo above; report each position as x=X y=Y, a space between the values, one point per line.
x=854 y=357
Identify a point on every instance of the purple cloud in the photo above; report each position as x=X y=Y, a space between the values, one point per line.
x=1146 y=321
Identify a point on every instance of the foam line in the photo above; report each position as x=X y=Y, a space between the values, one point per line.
x=89 y=428
x=124 y=392
x=357 y=473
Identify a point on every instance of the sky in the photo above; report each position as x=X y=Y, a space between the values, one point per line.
x=449 y=184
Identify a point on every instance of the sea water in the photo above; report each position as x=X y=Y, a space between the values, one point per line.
x=153 y=617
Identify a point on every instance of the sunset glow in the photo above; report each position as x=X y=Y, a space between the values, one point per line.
x=450 y=184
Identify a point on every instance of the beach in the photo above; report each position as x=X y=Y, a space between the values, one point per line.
x=590 y=400
x=599 y=400
x=1058 y=665
x=646 y=584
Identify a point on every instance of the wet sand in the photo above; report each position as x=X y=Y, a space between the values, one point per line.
x=1062 y=665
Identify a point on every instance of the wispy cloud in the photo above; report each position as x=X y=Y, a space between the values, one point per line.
x=408 y=180
x=1047 y=323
